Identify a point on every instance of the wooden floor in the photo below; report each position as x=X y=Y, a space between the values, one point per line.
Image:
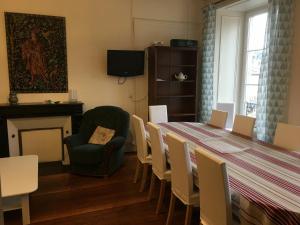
x=65 y=199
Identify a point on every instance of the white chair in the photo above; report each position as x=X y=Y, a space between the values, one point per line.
x=181 y=177
x=215 y=201
x=227 y=107
x=158 y=114
x=144 y=158
x=218 y=119
x=1 y=206
x=159 y=164
x=243 y=125
x=287 y=136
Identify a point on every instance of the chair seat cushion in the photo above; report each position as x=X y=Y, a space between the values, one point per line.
x=193 y=199
x=165 y=176
x=148 y=159
x=88 y=154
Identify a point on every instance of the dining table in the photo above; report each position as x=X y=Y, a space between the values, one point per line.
x=264 y=180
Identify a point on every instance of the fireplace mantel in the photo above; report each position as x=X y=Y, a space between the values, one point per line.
x=30 y=110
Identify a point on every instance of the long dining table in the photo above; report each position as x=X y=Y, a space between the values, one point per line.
x=264 y=181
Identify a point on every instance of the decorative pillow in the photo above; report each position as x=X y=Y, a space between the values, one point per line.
x=101 y=136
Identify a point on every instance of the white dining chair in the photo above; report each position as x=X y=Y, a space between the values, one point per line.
x=1 y=206
x=243 y=125
x=218 y=118
x=144 y=158
x=158 y=114
x=215 y=200
x=227 y=107
x=159 y=163
x=181 y=177
x=287 y=136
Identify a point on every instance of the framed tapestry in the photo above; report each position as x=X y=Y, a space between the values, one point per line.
x=36 y=49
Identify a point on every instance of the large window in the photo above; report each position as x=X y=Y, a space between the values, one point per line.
x=239 y=47
x=255 y=43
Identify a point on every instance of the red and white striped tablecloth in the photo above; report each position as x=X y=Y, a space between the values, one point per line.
x=264 y=180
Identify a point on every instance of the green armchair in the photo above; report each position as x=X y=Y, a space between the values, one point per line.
x=94 y=159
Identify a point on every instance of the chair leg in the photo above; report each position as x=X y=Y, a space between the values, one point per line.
x=137 y=171
x=1 y=217
x=171 y=209
x=144 y=178
x=161 y=195
x=25 y=209
x=188 y=215
x=152 y=184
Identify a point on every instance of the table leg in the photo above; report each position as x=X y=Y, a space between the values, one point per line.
x=25 y=209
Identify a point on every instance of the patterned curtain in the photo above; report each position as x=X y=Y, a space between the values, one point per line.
x=208 y=45
x=275 y=69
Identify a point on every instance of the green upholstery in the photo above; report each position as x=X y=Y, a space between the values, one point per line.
x=98 y=160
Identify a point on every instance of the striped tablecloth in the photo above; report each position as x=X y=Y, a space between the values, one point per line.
x=265 y=182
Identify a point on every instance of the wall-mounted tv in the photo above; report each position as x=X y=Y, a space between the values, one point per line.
x=125 y=63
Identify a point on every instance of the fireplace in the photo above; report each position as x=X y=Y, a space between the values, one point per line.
x=27 y=136
x=38 y=128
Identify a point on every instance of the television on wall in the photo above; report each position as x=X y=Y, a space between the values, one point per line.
x=125 y=63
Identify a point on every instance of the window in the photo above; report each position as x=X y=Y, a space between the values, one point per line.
x=239 y=46
x=255 y=43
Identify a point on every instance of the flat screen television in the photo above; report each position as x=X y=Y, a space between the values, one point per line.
x=125 y=63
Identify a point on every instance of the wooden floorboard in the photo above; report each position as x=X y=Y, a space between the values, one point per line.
x=65 y=199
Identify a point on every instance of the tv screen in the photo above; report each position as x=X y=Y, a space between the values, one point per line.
x=125 y=63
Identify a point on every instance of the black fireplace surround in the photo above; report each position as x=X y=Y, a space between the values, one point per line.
x=30 y=110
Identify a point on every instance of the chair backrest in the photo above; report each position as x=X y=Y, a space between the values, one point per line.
x=111 y=117
x=140 y=137
x=181 y=169
x=218 y=118
x=158 y=114
x=227 y=107
x=1 y=206
x=157 y=150
x=215 y=202
x=287 y=136
x=243 y=125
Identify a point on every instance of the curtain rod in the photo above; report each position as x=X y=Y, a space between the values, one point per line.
x=220 y=3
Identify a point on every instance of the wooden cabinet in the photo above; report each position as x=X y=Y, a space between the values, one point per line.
x=164 y=89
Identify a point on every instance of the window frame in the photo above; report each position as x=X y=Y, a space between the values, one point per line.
x=242 y=87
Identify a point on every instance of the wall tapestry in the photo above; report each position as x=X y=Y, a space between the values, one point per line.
x=36 y=49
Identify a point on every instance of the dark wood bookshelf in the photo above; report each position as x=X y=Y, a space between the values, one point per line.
x=163 y=88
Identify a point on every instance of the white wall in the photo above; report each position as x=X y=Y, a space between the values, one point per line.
x=93 y=26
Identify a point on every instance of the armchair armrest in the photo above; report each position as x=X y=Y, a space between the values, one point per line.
x=74 y=140
x=115 y=143
x=111 y=148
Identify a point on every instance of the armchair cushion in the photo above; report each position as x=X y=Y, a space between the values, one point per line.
x=101 y=135
x=88 y=154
